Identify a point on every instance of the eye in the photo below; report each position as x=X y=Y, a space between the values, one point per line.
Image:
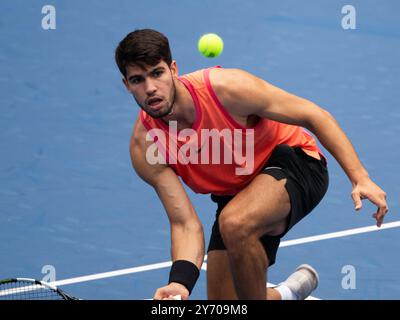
x=157 y=73
x=135 y=80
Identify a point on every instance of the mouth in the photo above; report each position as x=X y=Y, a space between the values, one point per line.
x=155 y=103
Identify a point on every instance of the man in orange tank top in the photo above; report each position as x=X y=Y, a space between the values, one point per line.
x=273 y=197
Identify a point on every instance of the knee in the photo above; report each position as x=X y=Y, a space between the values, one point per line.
x=237 y=228
x=277 y=229
x=234 y=229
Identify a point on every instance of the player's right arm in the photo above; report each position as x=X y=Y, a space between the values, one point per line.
x=187 y=237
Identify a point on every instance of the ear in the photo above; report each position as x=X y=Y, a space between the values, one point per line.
x=125 y=82
x=174 y=69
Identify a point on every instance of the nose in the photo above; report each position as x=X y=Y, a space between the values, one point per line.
x=150 y=87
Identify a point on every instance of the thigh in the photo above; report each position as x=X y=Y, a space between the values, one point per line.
x=261 y=208
x=286 y=190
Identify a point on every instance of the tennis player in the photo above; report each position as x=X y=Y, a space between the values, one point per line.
x=260 y=195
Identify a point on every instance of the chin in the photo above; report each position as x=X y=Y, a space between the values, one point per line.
x=159 y=113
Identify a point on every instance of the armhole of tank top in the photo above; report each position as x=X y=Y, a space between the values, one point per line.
x=160 y=146
x=319 y=151
x=144 y=122
x=192 y=91
x=219 y=104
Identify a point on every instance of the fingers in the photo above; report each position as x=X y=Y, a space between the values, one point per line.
x=167 y=294
x=380 y=214
x=378 y=198
x=161 y=294
x=357 y=200
x=158 y=295
x=380 y=202
x=379 y=219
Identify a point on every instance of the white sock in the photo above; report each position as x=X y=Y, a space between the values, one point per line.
x=286 y=293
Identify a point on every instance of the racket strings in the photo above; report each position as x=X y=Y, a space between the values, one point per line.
x=24 y=290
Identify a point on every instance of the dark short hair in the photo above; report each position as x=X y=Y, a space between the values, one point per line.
x=142 y=47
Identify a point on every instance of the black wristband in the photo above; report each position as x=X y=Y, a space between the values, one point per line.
x=184 y=272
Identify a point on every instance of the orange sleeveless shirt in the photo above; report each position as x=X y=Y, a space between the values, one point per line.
x=234 y=169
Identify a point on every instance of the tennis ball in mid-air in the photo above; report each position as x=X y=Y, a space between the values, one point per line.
x=210 y=45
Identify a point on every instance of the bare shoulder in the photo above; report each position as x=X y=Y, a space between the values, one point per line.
x=222 y=79
x=139 y=132
x=138 y=138
x=235 y=86
x=138 y=148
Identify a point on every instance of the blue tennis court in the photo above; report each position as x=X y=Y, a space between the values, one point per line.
x=73 y=210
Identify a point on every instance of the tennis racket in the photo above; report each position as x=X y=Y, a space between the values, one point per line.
x=30 y=289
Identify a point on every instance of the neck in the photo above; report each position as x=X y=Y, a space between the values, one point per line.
x=183 y=110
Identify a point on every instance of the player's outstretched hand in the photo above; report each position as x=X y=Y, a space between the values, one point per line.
x=367 y=189
x=173 y=291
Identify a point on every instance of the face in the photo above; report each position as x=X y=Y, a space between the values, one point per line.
x=153 y=87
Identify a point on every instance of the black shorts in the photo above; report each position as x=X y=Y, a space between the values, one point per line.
x=307 y=183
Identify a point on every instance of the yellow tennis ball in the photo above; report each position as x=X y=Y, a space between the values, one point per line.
x=210 y=45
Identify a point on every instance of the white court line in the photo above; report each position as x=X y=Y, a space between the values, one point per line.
x=167 y=264
x=110 y=274
x=339 y=234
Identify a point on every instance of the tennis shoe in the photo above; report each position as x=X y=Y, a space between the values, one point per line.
x=303 y=281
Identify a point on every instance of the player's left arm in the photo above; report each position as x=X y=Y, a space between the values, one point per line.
x=237 y=88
